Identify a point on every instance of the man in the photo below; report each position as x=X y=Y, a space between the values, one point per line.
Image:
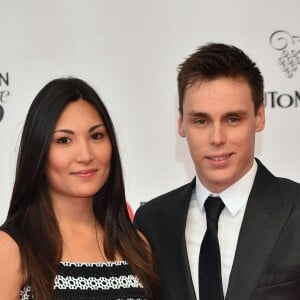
x=255 y=253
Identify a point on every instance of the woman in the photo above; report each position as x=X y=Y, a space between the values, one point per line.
x=68 y=234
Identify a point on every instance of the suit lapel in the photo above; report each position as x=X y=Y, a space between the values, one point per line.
x=264 y=218
x=179 y=267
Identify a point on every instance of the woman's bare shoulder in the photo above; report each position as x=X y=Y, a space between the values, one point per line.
x=11 y=278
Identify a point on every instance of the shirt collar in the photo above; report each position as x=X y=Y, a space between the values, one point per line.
x=234 y=197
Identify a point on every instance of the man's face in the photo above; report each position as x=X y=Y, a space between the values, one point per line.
x=219 y=123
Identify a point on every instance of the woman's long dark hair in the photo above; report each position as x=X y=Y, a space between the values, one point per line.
x=31 y=210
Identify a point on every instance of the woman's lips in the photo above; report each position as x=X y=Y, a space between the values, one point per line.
x=85 y=173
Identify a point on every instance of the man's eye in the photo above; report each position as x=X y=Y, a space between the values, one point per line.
x=233 y=119
x=97 y=136
x=63 y=140
x=201 y=121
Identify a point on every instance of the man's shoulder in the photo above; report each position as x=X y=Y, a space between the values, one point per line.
x=267 y=181
x=153 y=213
x=289 y=186
x=265 y=174
x=168 y=199
x=177 y=191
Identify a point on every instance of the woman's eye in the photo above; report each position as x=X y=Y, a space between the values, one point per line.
x=63 y=140
x=97 y=136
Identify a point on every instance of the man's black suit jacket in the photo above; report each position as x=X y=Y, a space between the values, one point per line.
x=267 y=260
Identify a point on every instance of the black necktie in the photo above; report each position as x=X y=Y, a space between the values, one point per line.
x=210 y=280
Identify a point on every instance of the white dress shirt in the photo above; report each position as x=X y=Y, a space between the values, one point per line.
x=235 y=199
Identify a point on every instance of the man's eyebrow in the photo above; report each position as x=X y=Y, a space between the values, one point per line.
x=238 y=112
x=194 y=113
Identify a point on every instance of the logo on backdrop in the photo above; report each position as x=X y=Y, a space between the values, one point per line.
x=275 y=99
x=4 y=92
x=288 y=49
x=287 y=46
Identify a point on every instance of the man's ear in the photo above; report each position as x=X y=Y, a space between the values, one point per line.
x=181 y=130
x=260 y=118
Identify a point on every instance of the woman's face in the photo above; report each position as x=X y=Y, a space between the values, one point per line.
x=80 y=153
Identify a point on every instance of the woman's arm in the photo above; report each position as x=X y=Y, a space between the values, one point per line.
x=11 y=278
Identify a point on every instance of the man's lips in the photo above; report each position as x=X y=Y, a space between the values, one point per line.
x=217 y=158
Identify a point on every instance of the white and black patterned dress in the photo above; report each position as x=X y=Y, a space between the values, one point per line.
x=89 y=281
x=94 y=281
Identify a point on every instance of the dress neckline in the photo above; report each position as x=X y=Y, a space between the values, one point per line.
x=101 y=263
